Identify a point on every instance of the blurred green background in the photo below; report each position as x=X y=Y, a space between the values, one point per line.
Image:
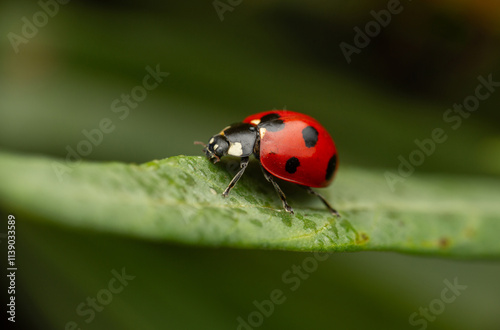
x=65 y=75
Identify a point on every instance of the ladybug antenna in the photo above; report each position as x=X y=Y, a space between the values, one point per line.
x=200 y=143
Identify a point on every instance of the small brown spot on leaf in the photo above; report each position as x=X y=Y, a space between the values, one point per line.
x=362 y=238
x=444 y=242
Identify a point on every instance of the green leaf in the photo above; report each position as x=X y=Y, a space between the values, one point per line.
x=178 y=200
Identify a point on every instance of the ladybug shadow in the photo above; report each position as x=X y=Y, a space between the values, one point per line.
x=253 y=181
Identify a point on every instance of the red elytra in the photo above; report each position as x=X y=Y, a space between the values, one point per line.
x=302 y=142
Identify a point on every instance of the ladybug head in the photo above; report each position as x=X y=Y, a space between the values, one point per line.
x=216 y=148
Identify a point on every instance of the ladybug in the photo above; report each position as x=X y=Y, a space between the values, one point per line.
x=289 y=145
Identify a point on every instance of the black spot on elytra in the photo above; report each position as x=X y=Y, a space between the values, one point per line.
x=274 y=125
x=269 y=117
x=292 y=164
x=330 y=168
x=310 y=135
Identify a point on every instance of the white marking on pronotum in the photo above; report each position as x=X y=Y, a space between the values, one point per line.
x=211 y=141
x=235 y=149
x=216 y=146
x=255 y=122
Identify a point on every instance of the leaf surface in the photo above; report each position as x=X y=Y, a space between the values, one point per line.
x=178 y=199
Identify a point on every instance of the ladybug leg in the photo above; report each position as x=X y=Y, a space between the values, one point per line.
x=328 y=206
x=280 y=192
x=243 y=166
